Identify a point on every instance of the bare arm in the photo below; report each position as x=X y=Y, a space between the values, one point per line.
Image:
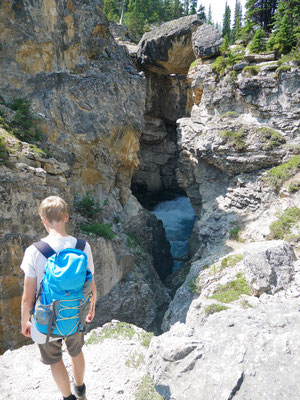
x=28 y=299
x=91 y=313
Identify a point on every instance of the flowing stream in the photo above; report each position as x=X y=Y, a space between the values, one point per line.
x=178 y=219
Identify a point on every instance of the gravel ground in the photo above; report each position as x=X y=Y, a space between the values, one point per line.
x=114 y=370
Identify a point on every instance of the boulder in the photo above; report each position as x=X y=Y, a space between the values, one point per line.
x=206 y=41
x=168 y=48
x=269 y=266
x=251 y=354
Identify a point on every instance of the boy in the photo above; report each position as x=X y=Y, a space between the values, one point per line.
x=53 y=213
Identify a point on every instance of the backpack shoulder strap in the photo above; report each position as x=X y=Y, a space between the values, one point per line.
x=44 y=248
x=80 y=245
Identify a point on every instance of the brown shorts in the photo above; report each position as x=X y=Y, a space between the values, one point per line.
x=53 y=352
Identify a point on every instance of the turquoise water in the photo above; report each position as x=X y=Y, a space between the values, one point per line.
x=178 y=219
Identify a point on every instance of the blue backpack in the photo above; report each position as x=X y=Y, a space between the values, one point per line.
x=63 y=300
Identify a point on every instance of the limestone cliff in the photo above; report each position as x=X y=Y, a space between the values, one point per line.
x=90 y=100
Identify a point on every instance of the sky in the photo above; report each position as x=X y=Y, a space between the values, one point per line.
x=218 y=8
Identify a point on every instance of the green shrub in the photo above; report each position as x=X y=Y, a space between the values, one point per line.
x=194 y=287
x=231 y=261
x=214 y=308
x=104 y=230
x=294 y=186
x=145 y=338
x=237 y=139
x=281 y=228
x=38 y=151
x=23 y=124
x=278 y=175
x=120 y=330
x=228 y=59
x=194 y=63
x=132 y=241
x=251 y=69
x=270 y=137
x=87 y=206
x=283 y=68
x=23 y=121
x=116 y=331
x=3 y=151
x=232 y=290
x=293 y=56
x=235 y=233
x=146 y=390
x=230 y=114
x=220 y=65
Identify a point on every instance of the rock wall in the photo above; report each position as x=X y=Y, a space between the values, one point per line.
x=90 y=100
x=168 y=97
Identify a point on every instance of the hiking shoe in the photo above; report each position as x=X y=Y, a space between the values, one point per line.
x=79 y=391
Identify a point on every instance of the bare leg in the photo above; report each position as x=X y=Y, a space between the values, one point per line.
x=78 y=367
x=61 y=378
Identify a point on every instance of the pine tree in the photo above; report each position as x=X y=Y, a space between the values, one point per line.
x=258 y=44
x=226 y=31
x=201 y=13
x=209 y=16
x=110 y=10
x=193 y=7
x=237 y=22
x=261 y=12
x=286 y=30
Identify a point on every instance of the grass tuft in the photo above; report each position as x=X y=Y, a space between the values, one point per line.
x=87 y=206
x=251 y=70
x=146 y=390
x=278 y=175
x=121 y=330
x=232 y=290
x=281 y=228
x=237 y=138
x=3 y=151
x=97 y=229
x=214 y=308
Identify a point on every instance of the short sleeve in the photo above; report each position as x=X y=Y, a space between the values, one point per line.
x=28 y=264
x=88 y=252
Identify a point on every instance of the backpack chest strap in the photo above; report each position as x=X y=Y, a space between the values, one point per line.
x=47 y=250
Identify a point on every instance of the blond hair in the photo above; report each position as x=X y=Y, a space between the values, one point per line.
x=53 y=208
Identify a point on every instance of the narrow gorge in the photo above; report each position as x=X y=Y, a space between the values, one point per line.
x=116 y=128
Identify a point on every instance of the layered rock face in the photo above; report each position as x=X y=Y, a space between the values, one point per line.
x=239 y=127
x=90 y=99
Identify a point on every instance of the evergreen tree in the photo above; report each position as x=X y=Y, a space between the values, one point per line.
x=201 y=13
x=261 y=12
x=286 y=32
x=237 y=21
x=193 y=7
x=226 y=31
x=258 y=44
x=110 y=10
x=218 y=27
x=186 y=7
x=209 y=16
